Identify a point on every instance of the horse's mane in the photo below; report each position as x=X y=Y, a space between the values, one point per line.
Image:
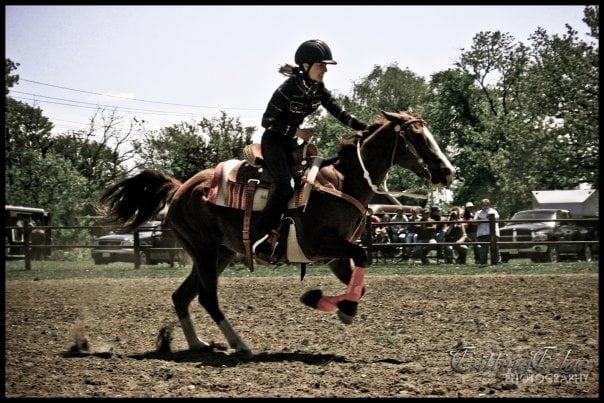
x=348 y=142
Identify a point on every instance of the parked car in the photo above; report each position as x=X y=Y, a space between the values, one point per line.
x=120 y=247
x=527 y=235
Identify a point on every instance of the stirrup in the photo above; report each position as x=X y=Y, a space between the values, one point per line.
x=258 y=242
x=271 y=240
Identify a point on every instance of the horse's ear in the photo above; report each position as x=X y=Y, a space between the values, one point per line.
x=391 y=116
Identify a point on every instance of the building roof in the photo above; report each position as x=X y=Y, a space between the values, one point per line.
x=562 y=196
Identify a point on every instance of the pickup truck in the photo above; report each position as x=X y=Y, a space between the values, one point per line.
x=526 y=236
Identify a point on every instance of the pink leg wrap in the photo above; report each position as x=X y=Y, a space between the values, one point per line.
x=328 y=303
x=353 y=292
x=355 y=286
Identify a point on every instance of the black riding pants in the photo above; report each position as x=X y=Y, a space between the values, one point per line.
x=276 y=151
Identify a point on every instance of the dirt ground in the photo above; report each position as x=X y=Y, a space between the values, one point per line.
x=414 y=336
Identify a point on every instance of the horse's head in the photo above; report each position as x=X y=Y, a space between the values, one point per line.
x=416 y=149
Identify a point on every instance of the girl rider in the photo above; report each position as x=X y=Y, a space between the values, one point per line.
x=299 y=96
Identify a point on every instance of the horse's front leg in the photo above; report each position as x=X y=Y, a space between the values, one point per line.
x=344 y=304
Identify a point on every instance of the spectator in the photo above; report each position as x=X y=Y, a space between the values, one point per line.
x=439 y=234
x=455 y=232
x=380 y=231
x=425 y=234
x=411 y=233
x=483 y=231
x=468 y=217
x=399 y=231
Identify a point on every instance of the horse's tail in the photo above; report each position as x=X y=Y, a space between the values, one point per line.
x=135 y=200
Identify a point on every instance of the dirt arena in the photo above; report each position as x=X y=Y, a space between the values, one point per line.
x=414 y=336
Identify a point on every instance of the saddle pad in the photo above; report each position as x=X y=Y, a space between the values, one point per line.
x=228 y=194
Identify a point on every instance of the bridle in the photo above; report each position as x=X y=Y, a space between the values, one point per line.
x=401 y=131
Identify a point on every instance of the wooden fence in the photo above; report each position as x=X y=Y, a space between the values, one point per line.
x=366 y=239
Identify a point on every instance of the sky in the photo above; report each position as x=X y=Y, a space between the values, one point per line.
x=168 y=64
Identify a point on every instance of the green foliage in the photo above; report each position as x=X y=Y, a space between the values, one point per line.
x=36 y=176
x=48 y=182
x=9 y=78
x=62 y=174
x=515 y=119
x=95 y=161
x=184 y=149
x=389 y=89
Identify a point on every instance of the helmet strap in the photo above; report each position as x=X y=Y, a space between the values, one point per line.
x=306 y=72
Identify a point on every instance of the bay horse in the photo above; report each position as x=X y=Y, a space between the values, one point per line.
x=326 y=227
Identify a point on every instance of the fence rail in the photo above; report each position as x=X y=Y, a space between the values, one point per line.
x=493 y=242
x=28 y=248
x=366 y=239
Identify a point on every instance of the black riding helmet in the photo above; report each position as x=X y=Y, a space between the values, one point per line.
x=313 y=51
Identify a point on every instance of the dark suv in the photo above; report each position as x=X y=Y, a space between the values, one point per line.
x=527 y=235
x=120 y=247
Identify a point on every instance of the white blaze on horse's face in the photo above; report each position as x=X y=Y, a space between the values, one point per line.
x=445 y=166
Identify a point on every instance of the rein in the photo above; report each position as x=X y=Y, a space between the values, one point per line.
x=400 y=132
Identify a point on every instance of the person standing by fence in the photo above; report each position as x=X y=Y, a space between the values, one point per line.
x=455 y=232
x=483 y=232
x=468 y=217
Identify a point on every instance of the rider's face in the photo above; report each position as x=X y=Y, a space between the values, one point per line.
x=317 y=71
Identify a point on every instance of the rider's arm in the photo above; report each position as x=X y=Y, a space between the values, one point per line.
x=339 y=113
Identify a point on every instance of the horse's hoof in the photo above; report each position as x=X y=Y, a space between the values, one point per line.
x=201 y=346
x=311 y=298
x=245 y=354
x=345 y=319
x=347 y=310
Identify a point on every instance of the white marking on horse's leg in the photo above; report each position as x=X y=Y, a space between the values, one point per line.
x=233 y=338
x=195 y=343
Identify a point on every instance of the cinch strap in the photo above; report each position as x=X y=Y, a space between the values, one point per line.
x=248 y=200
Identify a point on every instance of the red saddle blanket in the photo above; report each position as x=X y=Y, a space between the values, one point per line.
x=230 y=180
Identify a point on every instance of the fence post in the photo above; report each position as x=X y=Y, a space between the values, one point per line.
x=27 y=246
x=137 y=257
x=492 y=239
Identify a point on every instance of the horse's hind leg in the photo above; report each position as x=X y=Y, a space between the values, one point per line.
x=182 y=298
x=208 y=296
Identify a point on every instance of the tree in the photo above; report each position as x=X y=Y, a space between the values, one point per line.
x=25 y=127
x=9 y=78
x=63 y=174
x=517 y=118
x=101 y=153
x=456 y=111
x=184 y=149
x=50 y=183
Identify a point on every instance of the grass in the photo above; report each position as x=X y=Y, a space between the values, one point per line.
x=85 y=268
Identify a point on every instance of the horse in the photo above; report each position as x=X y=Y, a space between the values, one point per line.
x=326 y=227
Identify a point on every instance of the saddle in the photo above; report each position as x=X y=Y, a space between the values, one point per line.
x=246 y=185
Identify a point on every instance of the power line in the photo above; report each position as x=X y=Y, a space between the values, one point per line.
x=151 y=111
x=135 y=99
x=34 y=100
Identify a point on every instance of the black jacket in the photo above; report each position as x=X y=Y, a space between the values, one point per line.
x=297 y=98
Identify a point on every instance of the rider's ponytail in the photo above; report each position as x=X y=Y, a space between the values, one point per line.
x=291 y=71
